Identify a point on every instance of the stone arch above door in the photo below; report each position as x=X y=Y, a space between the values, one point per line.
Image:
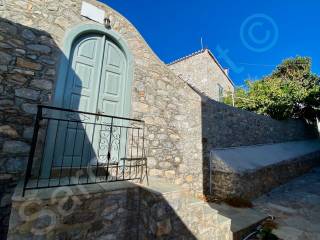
x=69 y=39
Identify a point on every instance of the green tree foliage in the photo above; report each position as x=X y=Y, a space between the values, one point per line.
x=290 y=91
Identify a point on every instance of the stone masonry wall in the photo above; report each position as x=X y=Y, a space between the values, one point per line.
x=224 y=126
x=7 y=186
x=31 y=40
x=28 y=59
x=102 y=215
x=125 y=212
x=201 y=70
x=252 y=184
x=173 y=215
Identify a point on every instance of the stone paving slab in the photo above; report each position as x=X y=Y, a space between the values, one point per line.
x=296 y=206
x=243 y=220
x=240 y=217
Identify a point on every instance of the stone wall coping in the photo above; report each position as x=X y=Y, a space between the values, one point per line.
x=251 y=158
x=261 y=144
x=60 y=192
x=156 y=186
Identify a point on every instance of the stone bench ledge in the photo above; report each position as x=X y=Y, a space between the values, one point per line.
x=252 y=158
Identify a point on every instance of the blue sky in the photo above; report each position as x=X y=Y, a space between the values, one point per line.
x=248 y=37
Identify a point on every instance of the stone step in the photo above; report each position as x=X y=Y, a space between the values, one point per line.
x=243 y=220
x=223 y=228
x=172 y=192
x=201 y=218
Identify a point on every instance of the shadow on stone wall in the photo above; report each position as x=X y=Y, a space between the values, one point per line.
x=29 y=60
x=126 y=212
x=27 y=72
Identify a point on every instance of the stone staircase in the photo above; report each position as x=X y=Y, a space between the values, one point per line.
x=174 y=212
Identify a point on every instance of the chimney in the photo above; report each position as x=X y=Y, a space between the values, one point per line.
x=226 y=70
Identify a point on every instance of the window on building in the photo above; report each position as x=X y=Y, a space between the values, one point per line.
x=220 y=93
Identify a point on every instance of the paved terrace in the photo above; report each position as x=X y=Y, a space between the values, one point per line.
x=296 y=206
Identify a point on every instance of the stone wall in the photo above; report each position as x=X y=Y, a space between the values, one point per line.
x=7 y=185
x=31 y=41
x=28 y=58
x=252 y=184
x=202 y=70
x=123 y=211
x=226 y=126
x=173 y=215
x=90 y=215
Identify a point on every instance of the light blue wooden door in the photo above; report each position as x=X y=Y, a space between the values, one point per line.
x=81 y=93
x=95 y=83
x=69 y=142
x=112 y=94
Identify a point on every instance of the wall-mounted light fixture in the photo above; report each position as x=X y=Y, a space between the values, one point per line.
x=107 y=23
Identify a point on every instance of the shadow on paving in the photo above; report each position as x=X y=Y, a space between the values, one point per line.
x=296 y=207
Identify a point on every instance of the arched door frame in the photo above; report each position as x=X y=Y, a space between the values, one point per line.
x=69 y=39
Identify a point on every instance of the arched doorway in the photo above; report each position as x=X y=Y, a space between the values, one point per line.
x=93 y=53
x=95 y=76
x=96 y=80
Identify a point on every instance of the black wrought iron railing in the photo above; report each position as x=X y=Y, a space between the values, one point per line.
x=72 y=147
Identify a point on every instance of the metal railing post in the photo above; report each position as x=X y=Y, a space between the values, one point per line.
x=32 y=150
x=109 y=147
x=210 y=172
